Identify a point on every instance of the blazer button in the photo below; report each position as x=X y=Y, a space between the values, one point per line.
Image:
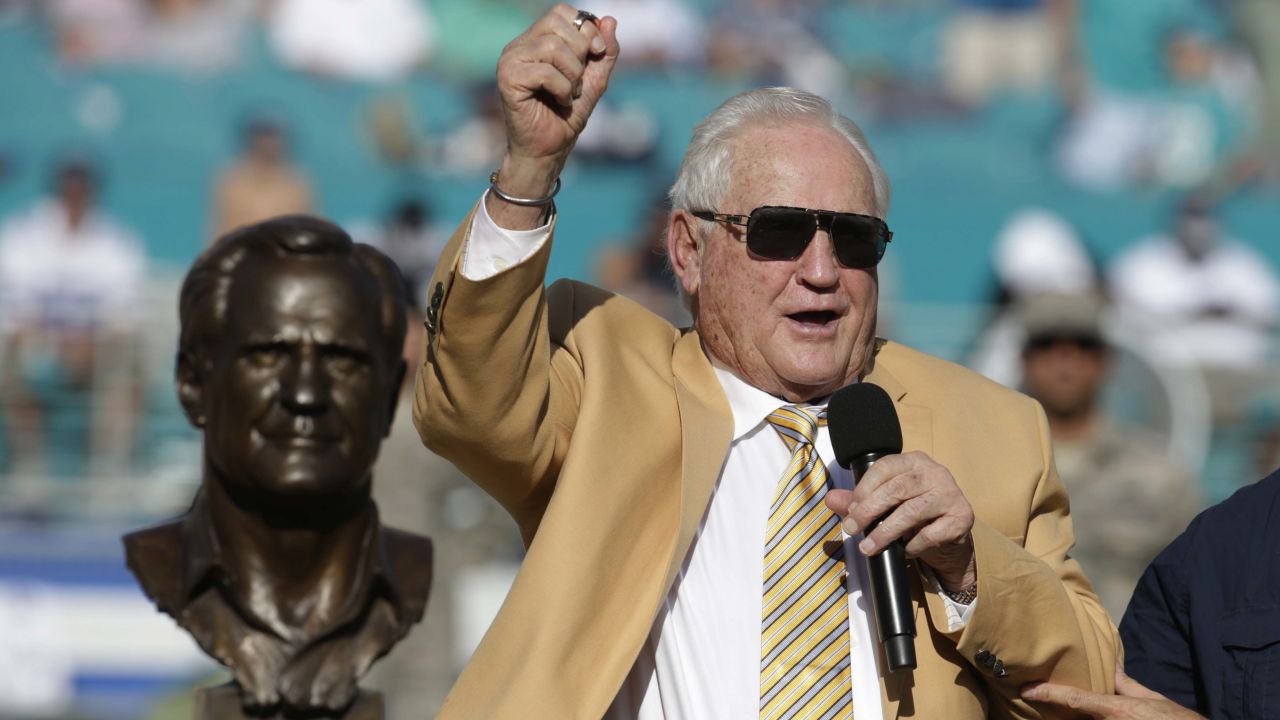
x=431 y=315
x=437 y=295
x=998 y=669
x=983 y=657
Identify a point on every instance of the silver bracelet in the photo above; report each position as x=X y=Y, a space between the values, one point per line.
x=493 y=188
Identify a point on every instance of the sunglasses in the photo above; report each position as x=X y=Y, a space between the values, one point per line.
x=1084 y=341
x=775 y=232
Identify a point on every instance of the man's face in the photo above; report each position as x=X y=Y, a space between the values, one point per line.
x=267 y=145
x=1197 y=232
x=300 y=390
x=1064 y=374
x=76 y=192
x=798 y=328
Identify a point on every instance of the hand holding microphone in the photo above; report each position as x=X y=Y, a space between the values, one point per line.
x=908 y=505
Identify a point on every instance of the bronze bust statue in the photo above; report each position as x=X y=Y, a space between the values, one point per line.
x=290 y=363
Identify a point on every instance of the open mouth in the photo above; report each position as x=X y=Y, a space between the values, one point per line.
x=815 y=318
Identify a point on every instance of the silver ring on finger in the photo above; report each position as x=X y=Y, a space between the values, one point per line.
x=582 y=17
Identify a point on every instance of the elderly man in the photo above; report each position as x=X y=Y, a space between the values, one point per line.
x=289 y=363
x=641 y=461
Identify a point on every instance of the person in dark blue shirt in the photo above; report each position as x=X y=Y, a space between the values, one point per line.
x=1203 y=626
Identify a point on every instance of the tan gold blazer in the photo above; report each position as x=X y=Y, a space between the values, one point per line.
x=602 y=429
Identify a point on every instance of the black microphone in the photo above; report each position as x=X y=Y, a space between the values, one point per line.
x=864 y=428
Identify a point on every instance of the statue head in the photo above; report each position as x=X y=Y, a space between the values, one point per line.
x=289 y=361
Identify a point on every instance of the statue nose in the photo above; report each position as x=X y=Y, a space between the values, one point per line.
x=306 y=389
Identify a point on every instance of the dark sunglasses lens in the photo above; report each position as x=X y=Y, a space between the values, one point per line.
x=860 y=241
x=779 y=233
x=1085 y=341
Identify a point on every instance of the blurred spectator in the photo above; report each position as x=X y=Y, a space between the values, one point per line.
x=1257 y=24
x=477 y=145
x=202 y=35
x=198 y=35
x=410 y=238
x=391 y=127
x=69 y=283
x=261 y=183
x=1120 y=47
x=637 y=268
x=1208 y=301
x=655 y=32
x=991 y=45
x=1037 y=251
x=372 y=40
x=89 y=31
x=1205 y=110
x=1209 y=294
x=1129 y=497
x=1177 y=134
x=775 y=42
x=625 y=133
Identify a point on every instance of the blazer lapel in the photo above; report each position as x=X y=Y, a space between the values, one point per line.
x=917 y=434
x=916 y=419
x=706 y=429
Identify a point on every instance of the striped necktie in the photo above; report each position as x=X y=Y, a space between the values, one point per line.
x=804 y=636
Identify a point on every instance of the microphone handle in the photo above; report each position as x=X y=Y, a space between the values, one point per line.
x=890 y=596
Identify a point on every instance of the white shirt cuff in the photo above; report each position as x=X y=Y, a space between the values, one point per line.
x=958 y=616
x=491 y=249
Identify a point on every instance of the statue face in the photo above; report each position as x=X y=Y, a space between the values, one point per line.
x=300 y=392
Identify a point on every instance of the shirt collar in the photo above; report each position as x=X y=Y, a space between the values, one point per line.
x=204 y=566
x=750 y=405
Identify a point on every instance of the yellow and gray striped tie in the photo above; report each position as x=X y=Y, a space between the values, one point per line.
x=804 y=636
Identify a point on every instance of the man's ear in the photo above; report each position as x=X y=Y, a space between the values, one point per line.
x=189 y=376
x=683 y=248
x=397 y=377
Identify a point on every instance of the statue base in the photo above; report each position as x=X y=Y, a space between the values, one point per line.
x=223 y=703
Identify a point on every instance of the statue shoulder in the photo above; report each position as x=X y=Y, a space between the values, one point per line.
x=411 y=558
x=155 y=556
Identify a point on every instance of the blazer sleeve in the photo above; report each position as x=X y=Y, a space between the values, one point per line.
x=1037 y=617
x=496 y=394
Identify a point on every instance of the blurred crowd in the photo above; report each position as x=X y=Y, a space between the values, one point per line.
x=1171 y=93
x=1156 y=366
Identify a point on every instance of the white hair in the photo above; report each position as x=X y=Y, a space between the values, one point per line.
x=705 y=173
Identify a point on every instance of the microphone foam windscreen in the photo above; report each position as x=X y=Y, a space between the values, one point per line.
x=862 y=420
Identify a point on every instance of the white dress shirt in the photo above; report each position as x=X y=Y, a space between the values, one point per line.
x=702 y=658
